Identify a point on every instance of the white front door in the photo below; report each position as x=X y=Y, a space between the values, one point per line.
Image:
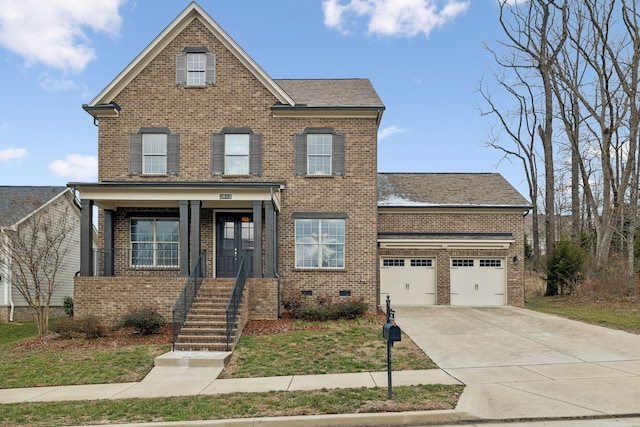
x=408 y=281
x=478 y=281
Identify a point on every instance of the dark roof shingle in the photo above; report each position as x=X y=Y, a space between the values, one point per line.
x=447 y=189
x=16 y=202
x=331 y=92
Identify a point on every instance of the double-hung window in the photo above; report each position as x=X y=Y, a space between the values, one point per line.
x=236 y=151
x=236 y=154
x=154 y=153
x=196 y=69
x=319 y=152
x=154 y=242
x=320 y=242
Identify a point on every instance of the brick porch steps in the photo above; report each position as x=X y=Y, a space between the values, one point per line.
x=206 y=326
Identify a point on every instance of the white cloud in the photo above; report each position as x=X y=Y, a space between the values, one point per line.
x=75 y=166
x=52 y=84
x=12 y=153
x=390 y=130
x=401 y=18
x=53 y=32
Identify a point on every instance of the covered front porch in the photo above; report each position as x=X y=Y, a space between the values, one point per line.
x=161 y=228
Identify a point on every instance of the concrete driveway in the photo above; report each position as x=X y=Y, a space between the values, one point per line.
x=517 y=363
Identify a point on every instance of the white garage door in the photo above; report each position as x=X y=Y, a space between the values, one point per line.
x=408 y=281
x=478 y=281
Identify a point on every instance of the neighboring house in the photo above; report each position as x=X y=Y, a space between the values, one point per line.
x=19 y=206
x=451 y=238
x=200 y=151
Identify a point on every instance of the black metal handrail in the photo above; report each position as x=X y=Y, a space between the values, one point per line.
x=187 y=296
x=236 y=296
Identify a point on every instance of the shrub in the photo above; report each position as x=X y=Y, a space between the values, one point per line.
x=328 y=310
x=67 y=304
x=144 y=320
x=564 y=267
x=292 y=301
x=72 y=327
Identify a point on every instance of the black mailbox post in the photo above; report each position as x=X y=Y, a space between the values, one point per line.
x=391 y=333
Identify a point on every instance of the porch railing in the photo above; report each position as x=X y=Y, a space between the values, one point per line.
x=233 y=305
x=187 y=296
x=108 y=262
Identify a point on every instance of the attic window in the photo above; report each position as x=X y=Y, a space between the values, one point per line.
x=195 y=67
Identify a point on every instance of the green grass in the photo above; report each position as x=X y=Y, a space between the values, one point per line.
x=14 y=332
x=236 y=405
x=328 y=348
x=36 y=368
x=324 y=347
x=617 y=314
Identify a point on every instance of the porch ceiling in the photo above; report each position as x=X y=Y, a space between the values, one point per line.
x=165 y=194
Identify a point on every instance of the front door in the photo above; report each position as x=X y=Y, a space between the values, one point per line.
x=234 y=239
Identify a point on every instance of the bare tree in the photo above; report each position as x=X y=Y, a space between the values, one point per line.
x=34 y=252
x=535 y=34
x=520 y=126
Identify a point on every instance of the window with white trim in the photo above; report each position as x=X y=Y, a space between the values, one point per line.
x=319 y=154
x=320 y=243
x=154 y=153
x=236 y=154
x=196 y=69
x=154 y=242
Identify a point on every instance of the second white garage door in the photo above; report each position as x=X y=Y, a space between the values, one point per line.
x=478 y=281
x=408 y=281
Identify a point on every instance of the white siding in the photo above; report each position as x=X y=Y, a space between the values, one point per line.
x=71 y=264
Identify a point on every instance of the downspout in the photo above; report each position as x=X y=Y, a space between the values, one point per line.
x=274 y=249
x=5 y=240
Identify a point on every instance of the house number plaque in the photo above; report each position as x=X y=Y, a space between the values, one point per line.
x=225 y=196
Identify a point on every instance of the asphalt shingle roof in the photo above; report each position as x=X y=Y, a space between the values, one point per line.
x=447 y=189
x=331 y=92
x=11 y=208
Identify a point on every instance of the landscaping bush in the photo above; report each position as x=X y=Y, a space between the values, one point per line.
x=292 y=301
x=67 y=304
x=328 y=310
x=73 y=327
x=144 y=320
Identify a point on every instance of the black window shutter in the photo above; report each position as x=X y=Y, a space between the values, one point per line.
x=173 y=154
x=135 y=154
x=255 y=154
x=210 y=70
x=338 y=154
x=301 y=154
x=217 y=150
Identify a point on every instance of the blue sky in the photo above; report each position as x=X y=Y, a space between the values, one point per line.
x=424 y=57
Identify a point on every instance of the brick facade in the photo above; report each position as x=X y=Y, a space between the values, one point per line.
x=446 y=221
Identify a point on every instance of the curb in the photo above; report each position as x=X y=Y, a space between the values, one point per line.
x=435 y=417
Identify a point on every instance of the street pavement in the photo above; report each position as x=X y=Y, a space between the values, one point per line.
x=519 y=366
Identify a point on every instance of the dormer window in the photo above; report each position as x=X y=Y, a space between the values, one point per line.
x=195 y=67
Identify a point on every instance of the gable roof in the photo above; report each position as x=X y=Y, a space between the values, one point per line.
x=341 y=93
x=191 y=12
x=12 y=211
x=448 y=190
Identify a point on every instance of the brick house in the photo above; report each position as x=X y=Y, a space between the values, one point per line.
x=201 y=152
